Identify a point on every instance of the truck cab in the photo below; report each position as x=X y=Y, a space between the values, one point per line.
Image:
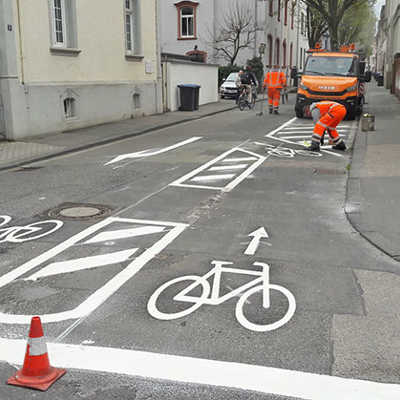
x=337 y=76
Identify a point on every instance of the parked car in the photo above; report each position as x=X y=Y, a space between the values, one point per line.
x=228 y=87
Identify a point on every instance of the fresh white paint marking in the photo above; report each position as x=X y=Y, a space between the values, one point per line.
x=239 y=159
x=228 y=167
x=283 y=382
x=206 y=178
x=191 y=176
x=300 y=137
x=107 y=290
x=281 y=127
x=125 y=234
x=257 y=235
x=148 y=153
x=65 y=267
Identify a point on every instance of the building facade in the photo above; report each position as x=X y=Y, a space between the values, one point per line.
x=387 y=54
x=279 y=25
x=65 y=64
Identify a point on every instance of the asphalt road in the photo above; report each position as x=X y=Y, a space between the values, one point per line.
x=171 y=212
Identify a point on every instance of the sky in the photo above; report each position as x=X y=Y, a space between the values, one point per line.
x=378 y=6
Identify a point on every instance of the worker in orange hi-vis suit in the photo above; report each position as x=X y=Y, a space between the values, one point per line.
x=274 y=81
x=327 y=115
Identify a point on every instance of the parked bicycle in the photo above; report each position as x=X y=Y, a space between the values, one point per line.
x=20 y=234
x=212 y=296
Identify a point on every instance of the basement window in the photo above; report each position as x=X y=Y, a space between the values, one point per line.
x=136 y=101
x=69 y=108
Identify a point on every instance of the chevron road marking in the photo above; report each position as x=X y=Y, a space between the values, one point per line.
x=110 y=287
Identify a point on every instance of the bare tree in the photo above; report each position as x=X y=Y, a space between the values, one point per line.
x=316 y=27
x=236 y=31
x=332 y=11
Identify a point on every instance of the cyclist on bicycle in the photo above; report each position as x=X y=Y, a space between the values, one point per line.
x=248 y=81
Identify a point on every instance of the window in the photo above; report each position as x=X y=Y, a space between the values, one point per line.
x=292 y=16
x=285 y=15
x=129 y=26
x=277 y=55
x=63 y=23
x=284 y=53
x=301 y=57
x=187 y=19
x=270 y=50
x=136 y=101
x=302 y=24
x=69 y=107
x=279 y=10
x=271 y=7
x=291 y=55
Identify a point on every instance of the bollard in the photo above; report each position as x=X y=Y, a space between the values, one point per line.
x=368 y=122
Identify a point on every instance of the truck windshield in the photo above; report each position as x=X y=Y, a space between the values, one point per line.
x=334 y=66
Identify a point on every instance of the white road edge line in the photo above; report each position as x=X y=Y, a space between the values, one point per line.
x=263 y=379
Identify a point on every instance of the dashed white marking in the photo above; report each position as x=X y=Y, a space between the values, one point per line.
x=283 y=382
x=239 y=159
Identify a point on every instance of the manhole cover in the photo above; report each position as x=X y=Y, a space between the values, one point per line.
x=80 y=212
x=76 y=211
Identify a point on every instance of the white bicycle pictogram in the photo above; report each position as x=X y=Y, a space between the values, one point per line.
x=211 y=295
x=287 y=152
x=20 y=234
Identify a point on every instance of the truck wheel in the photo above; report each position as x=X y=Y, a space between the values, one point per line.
x=351 y=113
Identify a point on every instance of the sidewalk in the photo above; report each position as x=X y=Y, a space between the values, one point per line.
x=14 y=154
x=373 y=189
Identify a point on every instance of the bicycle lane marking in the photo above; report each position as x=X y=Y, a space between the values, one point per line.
x=268 y=380
x=272 y=134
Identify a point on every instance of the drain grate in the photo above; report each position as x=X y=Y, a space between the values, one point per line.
x=23 y=169
x=330 y=171
x=79 y=211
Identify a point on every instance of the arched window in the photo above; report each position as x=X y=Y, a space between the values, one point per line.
x=277 y=55
x=271 y=8
x=285 y=15
x=284 y=53
x=292 y=15
x=270 y=50
x=187 y=25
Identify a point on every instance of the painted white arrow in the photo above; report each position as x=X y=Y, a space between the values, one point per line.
x=152 y=152
x=258 y=234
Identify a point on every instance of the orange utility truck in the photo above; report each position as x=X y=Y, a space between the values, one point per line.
x=332 y=75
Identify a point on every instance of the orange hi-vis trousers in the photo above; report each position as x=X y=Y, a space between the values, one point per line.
x=274 y=96
x=329 y=121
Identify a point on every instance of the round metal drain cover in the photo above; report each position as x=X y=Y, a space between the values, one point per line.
x=76 y=211
x=79 y=212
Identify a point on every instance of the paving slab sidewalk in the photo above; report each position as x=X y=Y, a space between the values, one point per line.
x=373 y=194
x=18 y=153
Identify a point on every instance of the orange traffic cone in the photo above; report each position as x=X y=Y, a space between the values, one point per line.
x=36 y=372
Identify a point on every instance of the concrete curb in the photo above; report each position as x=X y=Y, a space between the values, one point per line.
x=353 y=197
x=110 y=140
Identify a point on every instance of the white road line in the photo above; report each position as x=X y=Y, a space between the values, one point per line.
x=78 y=264
x=262 y=379
x=125 y=233
x=302 y=137
x=281 y=127
x=228 y=167
x=239 y=159
x=212 y=177
x=149 y=152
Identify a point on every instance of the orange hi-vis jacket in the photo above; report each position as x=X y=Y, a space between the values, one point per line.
x=275 y=80
x=324 y=106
